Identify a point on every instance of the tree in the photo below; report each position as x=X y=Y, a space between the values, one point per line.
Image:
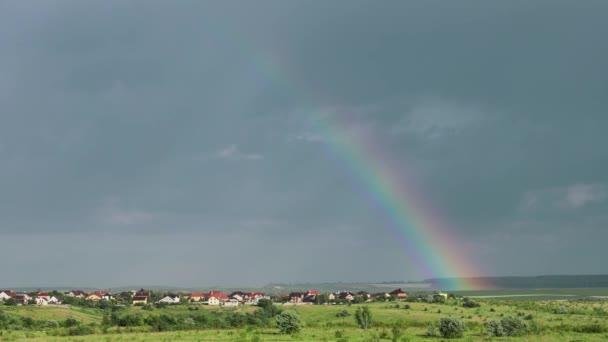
x=288 y=322
x=451 y=327
x=10 y=302
x=363 y=316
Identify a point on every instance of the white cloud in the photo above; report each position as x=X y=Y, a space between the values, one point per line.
x=232 y=152
x=568 y=197
x=434 y=118
x=579 y=195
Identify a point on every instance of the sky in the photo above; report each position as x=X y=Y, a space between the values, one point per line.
x=174 y=142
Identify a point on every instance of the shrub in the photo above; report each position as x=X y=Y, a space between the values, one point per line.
x=80 y=330
x=591 y=329
x=451 y=327
x=51 y=324
x=343 y=313
x=470 y=304
x=494 y=329
x=431 y=331
x=513 y=326
x=288 y=322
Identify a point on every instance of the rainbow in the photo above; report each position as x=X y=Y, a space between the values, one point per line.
x=427 y=241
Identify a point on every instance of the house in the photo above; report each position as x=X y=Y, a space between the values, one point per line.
x=331 y=296
x=398 y=293
x=237 y=296
x=346 y=295
x=43 y=295
x=197 y=297
x=230 y=303
x=126 y=294
x=170 y=299
x=53 y=300
x=41 y=301
x=363 y=294
x=312 y=293
x=216 y=297
x=441 y=294
x=22 y=298
x=296 y=297
x=76 y=293
x=142 y=293
x=93 y=297
x=140 y=300
x=6 y=294
x=216 y=294
x=380 y=295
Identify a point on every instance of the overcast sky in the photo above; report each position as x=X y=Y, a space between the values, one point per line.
x=170 y=142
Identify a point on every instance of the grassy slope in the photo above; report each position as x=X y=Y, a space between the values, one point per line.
x=322 y=323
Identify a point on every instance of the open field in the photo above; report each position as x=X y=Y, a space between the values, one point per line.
x=537 y=294
x=553 y=320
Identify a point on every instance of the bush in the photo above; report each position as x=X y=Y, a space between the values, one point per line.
x=288 y=322
x=431 y=331
x=51 y=324
x=513 y=326
x=470 y=304
x=451 y=327
x=80 y=330
x=591 y=329
x=494 y=329
x=343 y=313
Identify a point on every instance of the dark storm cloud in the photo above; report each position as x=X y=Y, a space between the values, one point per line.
x=163 y=122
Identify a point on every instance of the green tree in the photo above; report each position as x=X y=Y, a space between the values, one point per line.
x=10 y=302
x=288 y=322
x=451 y=327
x=363 y=317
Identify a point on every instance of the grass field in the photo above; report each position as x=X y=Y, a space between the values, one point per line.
x=322 y=324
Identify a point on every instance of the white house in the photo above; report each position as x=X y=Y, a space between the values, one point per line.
x=76 y=293
x=6 y=294
x=237 y=297
x=213 y=301
x=41 y=301
x=53 y=300
x=170 y=299
x=43 y=295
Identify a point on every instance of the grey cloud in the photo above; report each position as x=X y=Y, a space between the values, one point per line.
x=197 y=123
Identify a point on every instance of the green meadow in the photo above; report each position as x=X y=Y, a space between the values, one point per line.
x=546 y=320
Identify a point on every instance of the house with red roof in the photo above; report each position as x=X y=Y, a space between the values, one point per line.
x=6 y=294
x=76 y=293
x=216 y=298
x=197 y=297
x=43 y=295
x=398 y=293
x=140 y=300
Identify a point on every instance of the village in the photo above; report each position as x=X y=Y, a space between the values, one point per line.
x=143 y=297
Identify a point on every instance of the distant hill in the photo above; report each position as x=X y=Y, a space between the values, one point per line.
x=530 y=282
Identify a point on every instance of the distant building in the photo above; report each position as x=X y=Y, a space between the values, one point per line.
x=398 y=293
x=170 y=299
x=140 y=300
